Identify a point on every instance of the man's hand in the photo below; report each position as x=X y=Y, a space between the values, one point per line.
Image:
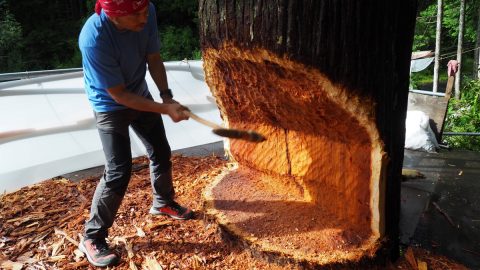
x=168 y=100
x=176 y=111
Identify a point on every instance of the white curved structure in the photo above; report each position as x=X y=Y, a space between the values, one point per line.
x=47 y=126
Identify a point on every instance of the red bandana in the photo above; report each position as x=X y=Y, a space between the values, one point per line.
x=117 y=8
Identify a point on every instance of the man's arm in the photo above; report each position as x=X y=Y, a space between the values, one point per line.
x=158 y=73
x=128 y=99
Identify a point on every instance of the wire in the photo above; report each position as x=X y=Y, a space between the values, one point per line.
x=449 y=55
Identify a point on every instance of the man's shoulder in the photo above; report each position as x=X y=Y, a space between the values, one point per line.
x=91 y=31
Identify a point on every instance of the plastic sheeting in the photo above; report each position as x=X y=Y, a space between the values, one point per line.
x=47 y=127
x=418 y=133
x=418 y=65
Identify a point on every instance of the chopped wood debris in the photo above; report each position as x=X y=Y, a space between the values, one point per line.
x=41 y=226
x=410 y=257
x=445 y=215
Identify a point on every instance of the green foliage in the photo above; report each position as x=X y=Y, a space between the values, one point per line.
x=423 y=80
x=178 y=26
x=178 y=43
x=177 y=13
x=10 y=41
x=464 y=116
x=425 y=29
x=47 y=38
x=74 y=61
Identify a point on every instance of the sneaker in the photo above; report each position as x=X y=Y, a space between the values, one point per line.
x=174 y=210
x=98 y=253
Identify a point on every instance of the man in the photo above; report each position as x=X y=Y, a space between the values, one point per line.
x=116 y=44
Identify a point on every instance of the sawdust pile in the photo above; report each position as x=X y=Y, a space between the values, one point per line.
x=41 y=225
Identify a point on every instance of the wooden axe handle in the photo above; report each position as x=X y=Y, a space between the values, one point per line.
x=202 y=120
x=248 y=135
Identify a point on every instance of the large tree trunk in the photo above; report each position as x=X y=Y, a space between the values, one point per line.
x=327 y=83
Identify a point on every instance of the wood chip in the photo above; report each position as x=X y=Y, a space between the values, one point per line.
x=179 y=245
x=77 y=265
x=422 y=265
x=132 y=265
x=9 y=265
x=56 y=247
x=79 y=255
x=64 y=234
x=151 y=263
x=444 y=214
x=140 y=232
x=127 y=245
x=57 y=258
x=411 y=258
x=156 y=225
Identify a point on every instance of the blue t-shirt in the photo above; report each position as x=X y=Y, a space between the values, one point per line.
x=112 y=57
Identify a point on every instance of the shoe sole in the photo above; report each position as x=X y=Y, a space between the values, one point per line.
x=157 y=213
x=90 y=260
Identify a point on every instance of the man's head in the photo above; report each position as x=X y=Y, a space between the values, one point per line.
x=125 y=14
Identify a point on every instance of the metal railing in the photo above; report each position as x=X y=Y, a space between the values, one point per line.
x=461 y=133
x=430 y=93
x=34 y=74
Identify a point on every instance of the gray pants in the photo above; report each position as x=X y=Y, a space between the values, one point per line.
x=113 y=130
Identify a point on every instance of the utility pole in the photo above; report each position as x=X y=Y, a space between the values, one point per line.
x=461 y=21
x=437 y=44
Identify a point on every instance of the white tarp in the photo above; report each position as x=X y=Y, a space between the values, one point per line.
x=418 y=65
x=418 y=133
x=47 y=127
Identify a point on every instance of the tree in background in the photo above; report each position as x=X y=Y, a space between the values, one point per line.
x=48 y=37
x=425 y=30
x=463 y=114
x=10 y=37
x=49 y=34
x=178 y=27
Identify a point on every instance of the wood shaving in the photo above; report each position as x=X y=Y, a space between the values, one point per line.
x=56 y=222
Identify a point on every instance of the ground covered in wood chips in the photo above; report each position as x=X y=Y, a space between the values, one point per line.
x=41 y=225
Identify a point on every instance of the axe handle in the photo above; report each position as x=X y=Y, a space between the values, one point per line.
x=202 y=120
x=248 y=135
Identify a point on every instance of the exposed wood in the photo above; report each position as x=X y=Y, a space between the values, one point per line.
x=64 y=234
x=327 y=83
x=445 y=215
x=411 y=174
x=422 y=265
x=411 y=258
x=448 y=89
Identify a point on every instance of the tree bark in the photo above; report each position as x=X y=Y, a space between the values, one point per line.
x=327 y=83
x=476 y=65
x=438 y=37
x=458 y=75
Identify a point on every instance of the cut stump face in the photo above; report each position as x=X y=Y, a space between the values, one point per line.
x=312 y=191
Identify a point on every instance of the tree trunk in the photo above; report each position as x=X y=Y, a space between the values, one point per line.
x=438 y=35
x=327 y=83
x=458 y=76
x=476 y=66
